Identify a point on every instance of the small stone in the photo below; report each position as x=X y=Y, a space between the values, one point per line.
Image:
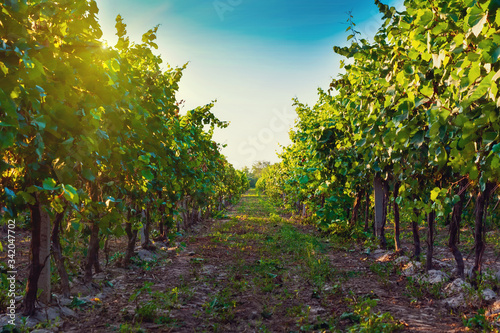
x=457 y=286
x=46 y=314
x=401 y=260
x=455 y=302
x=434 y=276
x=65 y=301
x=448 y=265
x=411 y=268
x=146 y=255
x=67 y=312
x=117 y=281
x=489 y=295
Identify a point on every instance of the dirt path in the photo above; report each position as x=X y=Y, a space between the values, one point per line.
x=257 y=272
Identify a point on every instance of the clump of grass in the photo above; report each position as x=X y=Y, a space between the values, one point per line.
x=417 y=289
x=221 y=306
x=365 y=318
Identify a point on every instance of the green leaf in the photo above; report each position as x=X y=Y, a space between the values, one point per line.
x=442 y=26
x=481 y=89
x=40 y=146
x=7 y=138
x=426 y=17
x=478 y=27
x=147 y=174
x=87 y=174
x=460 y=120
x=120 y=26
x=409 y=69
x=475 y=15
x=303 y=180
x=41 y=91
x=70 y=194
x=473 y=173
x=474 y=72
x=495 y=162
x=40 y=122
x=144 y=158
x=28 y=198
x=4 y=68
x=418 y=138
x=68 y=142
x=75 y=225
x=441 y=157
x=50 y=184
x=399 y=119
x=102 y=134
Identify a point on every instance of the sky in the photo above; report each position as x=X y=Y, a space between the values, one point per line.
x=251 y=56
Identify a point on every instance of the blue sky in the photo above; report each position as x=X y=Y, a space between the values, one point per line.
x=252 y=56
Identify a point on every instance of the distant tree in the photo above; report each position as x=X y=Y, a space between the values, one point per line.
x=246 y=171
x=250 y=176
x=258 y=167
x=255 y=173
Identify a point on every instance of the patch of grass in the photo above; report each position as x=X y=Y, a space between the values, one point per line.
x=346 y=275
x=414 y=290
x=127 y=328
x=300 y=310
x=306 y=250
x=383 y=271
x=229 y=225
x=320 y=272
x=417 y=289
x=367 y=320
x=147 y=265
x=155 y=306
x=221 y=306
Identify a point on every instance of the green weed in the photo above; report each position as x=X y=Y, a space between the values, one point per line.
x=478 y=322
x=417 y=289
x=367 y=320
x=221 y=307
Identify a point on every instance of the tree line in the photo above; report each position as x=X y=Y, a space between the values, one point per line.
x=410 y=128
x=92 y=141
